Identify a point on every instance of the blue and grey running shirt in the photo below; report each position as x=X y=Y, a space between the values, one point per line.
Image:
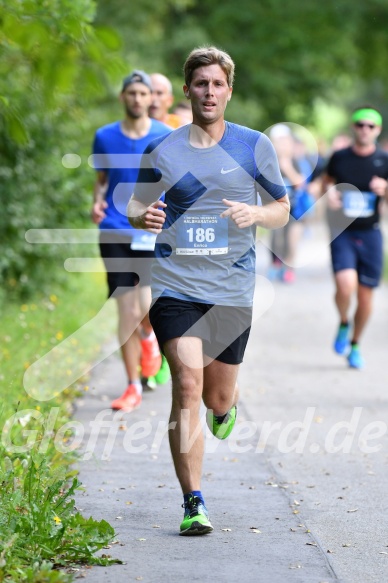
x=199 y=255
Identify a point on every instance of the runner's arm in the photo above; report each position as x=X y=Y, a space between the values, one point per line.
x=333 y=196
x=149 y=218
x=99 y=192
x=379 y=186
x=288 y=170
x=271 y=215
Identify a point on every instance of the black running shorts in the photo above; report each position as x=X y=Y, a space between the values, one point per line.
x=117 y=254
x=224 y=330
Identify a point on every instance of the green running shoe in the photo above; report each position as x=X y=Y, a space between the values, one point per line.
x=163 y=375
x=148 y=384
x=221 y=425
x=196 y=519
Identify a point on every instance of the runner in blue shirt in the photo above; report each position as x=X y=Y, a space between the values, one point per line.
x=127 y=252
x=220 y=181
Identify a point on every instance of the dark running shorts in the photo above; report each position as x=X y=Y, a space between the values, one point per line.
x=118 y=254
x=361 y=250
x=224 y=331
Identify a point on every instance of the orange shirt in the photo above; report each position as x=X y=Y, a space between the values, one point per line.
x=172 y=120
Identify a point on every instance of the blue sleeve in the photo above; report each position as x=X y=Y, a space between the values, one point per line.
x=268 y=175
x=99 y=154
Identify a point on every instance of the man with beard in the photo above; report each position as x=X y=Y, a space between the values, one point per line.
x=121 y=246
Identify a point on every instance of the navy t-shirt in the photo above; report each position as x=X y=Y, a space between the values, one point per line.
x=353 y=173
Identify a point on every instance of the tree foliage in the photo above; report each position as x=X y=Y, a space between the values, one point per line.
x=53 y=63
x=286 y=54
x=60 y=62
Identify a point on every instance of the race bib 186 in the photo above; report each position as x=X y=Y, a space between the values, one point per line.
x=202 y=235
x=358 y=204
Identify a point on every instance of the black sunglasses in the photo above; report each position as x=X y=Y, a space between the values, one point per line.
x=361 y=124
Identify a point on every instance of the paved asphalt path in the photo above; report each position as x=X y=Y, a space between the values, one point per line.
x=298 y=494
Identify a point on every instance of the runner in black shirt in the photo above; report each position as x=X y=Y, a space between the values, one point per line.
x=360 y=174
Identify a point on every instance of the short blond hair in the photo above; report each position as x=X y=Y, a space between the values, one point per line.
x=205 y=56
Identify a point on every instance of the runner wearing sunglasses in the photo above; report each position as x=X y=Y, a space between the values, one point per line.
x=356 y=183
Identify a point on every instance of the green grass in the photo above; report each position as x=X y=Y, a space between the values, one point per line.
x=41 y=533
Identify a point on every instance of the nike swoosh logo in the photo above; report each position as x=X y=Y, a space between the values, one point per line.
x=230 y=170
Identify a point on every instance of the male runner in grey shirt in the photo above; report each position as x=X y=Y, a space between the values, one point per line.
x=203 y=276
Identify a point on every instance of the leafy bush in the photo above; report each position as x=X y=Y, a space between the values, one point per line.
x=63 y=66
x=40 y=525
x=42 y=536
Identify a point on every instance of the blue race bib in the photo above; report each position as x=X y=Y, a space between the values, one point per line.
x=202 y=235
x=142 y=241
x=358 y=204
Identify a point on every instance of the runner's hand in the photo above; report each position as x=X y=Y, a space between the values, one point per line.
x=378 y=185
x=334 y=201
x=98 y=213
x=153 y=218
x=242 y=214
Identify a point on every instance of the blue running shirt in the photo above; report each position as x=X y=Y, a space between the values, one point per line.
x=200 y=256
x=110 y=154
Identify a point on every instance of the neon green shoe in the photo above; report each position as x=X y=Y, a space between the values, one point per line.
x=163 y=375
x=196 y=519
x=151 y=383
x=221 y=425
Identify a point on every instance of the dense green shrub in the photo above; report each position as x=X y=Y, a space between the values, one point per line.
x=64 y=65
